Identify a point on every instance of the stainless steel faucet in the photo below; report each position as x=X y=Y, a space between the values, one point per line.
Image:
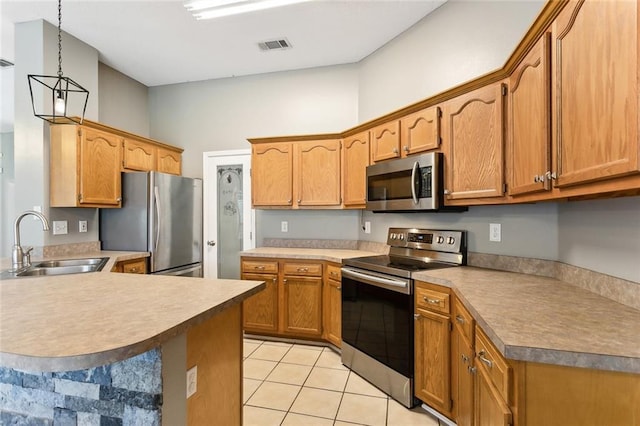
x=21 y=258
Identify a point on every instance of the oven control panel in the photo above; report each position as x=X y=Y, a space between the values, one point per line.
x=426 y=239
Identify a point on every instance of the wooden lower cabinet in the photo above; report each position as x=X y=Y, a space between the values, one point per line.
x=332 y=305
x=132 y=266
x=463 y=371
x=490 y=408
x=260 y=311
x=291 y=304
x=432 y=347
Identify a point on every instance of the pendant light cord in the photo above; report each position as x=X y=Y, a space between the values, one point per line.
x=59 y=38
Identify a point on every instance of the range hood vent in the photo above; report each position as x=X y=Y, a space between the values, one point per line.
x=278 y=44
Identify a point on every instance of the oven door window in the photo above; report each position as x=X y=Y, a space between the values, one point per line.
x=379 y=323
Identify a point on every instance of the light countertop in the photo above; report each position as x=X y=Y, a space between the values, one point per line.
x=528 y=317
x=78 y=321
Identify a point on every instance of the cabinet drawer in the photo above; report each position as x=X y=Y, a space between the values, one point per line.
x=260 y=266
x=432 y=297
x=137 y=266
x=492 y=361
x=303 y=269
x=334 y=272
x=463 y=320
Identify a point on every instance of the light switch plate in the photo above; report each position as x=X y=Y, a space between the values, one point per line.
x=192 y=380
x=60 y=227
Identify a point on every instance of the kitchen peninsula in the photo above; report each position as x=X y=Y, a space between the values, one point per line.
x=108 y=348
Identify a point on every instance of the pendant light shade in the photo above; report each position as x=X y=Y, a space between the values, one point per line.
x=64 y=101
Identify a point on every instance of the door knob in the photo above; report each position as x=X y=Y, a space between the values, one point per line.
x=211 y=243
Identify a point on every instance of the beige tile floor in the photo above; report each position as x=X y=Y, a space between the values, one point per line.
x=303 y=385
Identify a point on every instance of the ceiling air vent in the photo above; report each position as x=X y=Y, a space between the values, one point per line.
x=279 y=44
x=4 y=63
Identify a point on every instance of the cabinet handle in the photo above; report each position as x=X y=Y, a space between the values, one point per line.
x=134 y=269
x=395 y=150
x=273 y=280
x=303 y=269
x=289 y=201
x=299 y=200
x=339 y=288
x=446 y=192
x=416 y=316
x=432 y=301
x=460 y=319
x=471 y=370
x=260 y=268
x=406 y=149
x=481 y=355
x=551 y=175
x=284 y=281
x=119 y=199
x=536 y=179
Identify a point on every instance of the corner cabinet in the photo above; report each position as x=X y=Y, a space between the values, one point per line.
x=529 y=129
x=473 y=141
x=84 y=167
x=595 y=48
x=355 y=159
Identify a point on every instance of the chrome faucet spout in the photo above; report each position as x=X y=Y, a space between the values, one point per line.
x=19 y=258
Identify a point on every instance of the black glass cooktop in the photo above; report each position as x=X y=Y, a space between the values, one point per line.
x=394 y=266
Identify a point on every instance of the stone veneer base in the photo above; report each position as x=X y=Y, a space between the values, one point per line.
x=124 y=393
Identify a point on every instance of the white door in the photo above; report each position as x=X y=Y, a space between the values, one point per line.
x=229 y=221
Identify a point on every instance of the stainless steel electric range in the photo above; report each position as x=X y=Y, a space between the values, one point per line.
x=377 y=305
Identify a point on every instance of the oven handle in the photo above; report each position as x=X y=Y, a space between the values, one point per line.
x=388 y=283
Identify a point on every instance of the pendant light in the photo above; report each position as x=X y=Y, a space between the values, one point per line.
x=68 y=99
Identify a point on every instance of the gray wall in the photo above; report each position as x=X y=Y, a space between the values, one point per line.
x=221 y=114
x=124 y=102
x=7 y=183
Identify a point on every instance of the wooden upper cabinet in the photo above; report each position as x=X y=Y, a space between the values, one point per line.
x=385 y=141
x=84 y=167
x=318 y=173
x=169 y=161
x=595 y=49
x=138 y=155
x=272 y=174
x=529 y=121
x=355 y=159
x=474 y=143
x=420 y=131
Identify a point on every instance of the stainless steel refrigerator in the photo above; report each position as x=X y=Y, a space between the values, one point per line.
x=161 y=214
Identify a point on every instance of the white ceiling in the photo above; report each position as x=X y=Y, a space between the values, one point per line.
x=159 y=42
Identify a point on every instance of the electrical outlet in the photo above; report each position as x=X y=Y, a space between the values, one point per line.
x=192 y=381
x=82 y=226
x=367 y=227
x=495 y=233
x=60 y=227
x=284 y=226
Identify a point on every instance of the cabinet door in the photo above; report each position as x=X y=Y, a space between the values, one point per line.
x=318 y=167
x=432 y=359
x=99 y=168
x=490 y=408
x=596 y=98
x=355 y=159
x=463 y=365
x=138 y=155
x=473 y=133
x=385 y=141
x=169 y=161
x=302 y=305
x=260 y=311
x=529 y=130
x=333 y=312
x=420 y=131
x=272 y=174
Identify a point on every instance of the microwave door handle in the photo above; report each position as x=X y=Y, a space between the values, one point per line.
x=414 y=171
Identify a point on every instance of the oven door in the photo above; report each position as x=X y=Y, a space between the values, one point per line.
x=377 y=317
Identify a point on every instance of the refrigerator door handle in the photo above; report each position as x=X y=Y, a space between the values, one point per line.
x=157 y=199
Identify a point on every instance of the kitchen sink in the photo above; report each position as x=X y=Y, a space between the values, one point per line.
x=59 y=267
x=98 y=262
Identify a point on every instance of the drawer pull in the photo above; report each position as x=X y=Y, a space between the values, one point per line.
x=260 y=268
x=134 y=269
x=303 y=269
x=481 y=355
x=460 y=319
x=333 y=273
x=432 y=301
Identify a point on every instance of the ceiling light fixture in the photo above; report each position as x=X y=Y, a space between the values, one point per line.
x=66 y=94
x=209 y=9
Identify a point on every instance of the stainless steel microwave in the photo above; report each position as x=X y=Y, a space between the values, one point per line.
x=414 y=183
